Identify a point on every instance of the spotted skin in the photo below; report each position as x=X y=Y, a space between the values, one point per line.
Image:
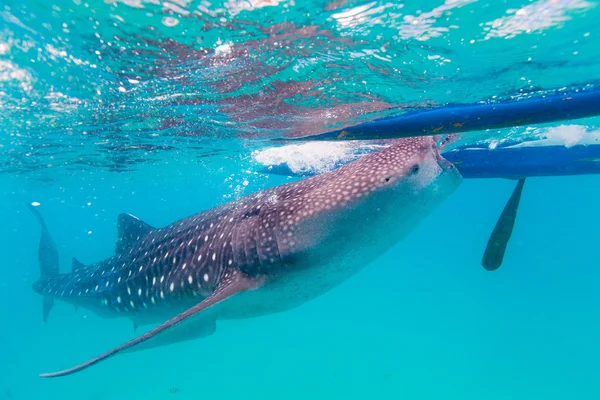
x=287 y=244
x=181 y=263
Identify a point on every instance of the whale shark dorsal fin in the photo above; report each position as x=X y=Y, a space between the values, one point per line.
x=129 y=230
x=236 y=282
x=77 y=265
x=496 y=247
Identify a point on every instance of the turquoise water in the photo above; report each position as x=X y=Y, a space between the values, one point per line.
x=155 y=108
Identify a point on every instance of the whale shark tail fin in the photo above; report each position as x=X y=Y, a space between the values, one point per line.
x=496 y=247
x=48 y=259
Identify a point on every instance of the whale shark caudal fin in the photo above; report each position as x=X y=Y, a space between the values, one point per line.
x=130 y=229
x=48 y=259
x=235 y=283
x=496 y=247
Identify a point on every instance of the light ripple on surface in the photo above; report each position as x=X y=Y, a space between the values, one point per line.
x=129 y=71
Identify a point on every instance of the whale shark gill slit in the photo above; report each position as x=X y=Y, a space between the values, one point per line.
x=236 y=282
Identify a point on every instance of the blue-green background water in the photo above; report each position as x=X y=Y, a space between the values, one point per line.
x=423 y=322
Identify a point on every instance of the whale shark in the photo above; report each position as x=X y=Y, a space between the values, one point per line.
x=265 y=253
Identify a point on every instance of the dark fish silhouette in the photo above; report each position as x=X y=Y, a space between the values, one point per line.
x=496 y=247
x=265 y=253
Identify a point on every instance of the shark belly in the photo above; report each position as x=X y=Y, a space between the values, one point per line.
x=289 y=291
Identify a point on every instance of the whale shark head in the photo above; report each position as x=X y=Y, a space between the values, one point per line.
x=356 y=212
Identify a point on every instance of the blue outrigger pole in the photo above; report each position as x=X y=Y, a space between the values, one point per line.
x=473 y=117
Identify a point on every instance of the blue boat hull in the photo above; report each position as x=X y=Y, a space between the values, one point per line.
x=521 y=162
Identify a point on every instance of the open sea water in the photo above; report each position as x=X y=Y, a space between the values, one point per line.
x=156 y=108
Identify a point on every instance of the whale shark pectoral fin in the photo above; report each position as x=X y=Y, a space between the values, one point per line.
x=235 y=283
x=129 y=230
x=197 y=327
x=496 y=247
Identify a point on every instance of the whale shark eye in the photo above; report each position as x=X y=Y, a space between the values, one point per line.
x=415 y=168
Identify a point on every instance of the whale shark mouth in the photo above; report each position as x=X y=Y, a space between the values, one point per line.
x=443 y=163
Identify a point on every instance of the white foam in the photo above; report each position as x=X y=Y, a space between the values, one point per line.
x=313 y=157
x=564 y=135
